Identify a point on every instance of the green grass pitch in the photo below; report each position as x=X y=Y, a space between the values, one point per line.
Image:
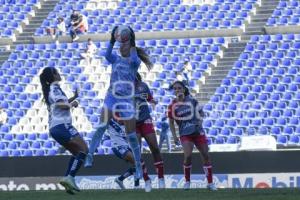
x=168 y=194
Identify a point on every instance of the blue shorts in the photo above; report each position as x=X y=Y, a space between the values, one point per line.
x=63 y=133
x=123 y=106
x=121 y=151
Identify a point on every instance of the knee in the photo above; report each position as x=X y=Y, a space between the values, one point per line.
x=188 y=159
x=155 y=151
x=206 y=157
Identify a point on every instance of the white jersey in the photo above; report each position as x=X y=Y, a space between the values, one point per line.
x=117 y=134
x=57 y=115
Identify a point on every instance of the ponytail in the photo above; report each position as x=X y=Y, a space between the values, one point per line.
x=144 y=57
x=46 y=78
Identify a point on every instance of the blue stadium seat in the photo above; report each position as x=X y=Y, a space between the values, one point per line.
x=27 y=152
x=282 y=140
x=220 y=140
x=39 y=152
x=213 y=132
x=238 y=132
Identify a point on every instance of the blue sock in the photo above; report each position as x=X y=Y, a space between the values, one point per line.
x=96 y=139
x=135 y=147
x=70 y=165
x=128 y=173
x=79 y=159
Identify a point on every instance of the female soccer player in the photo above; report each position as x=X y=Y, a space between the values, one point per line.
x=188 y=115
x=144 y=125
x=119 y=97
x=121 y=150
x=60 y=124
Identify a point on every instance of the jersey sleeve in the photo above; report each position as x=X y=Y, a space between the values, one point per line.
x=147 y=89
x=200 y=108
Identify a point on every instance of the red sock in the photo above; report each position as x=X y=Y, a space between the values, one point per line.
x=145 y=172
x=159 y=169
x=187 y=172
x=208 y=172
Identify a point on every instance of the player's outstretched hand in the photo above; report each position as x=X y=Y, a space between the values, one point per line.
x=112 y=37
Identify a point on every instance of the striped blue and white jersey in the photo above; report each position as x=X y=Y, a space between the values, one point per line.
x=57 y=115
x=117 y=134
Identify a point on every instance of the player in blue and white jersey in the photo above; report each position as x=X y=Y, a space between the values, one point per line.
x=121 y=149
x=60 y=124
x=120 y=95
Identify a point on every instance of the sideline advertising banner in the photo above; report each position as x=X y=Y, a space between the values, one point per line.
x=265 y=180
x=103 y=182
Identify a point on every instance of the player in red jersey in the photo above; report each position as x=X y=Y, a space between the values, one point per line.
x=145 y=127
x=186 y=112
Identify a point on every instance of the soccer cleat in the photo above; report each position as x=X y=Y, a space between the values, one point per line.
x=76 y=38
x=187 y=185
x=120 y=183
x=69 y=184
x=148 y=186
x=212 y=187
x=88 y=160
x=161 y=183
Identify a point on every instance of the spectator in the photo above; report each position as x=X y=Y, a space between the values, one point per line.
x=78 y=25
x=61 y=26
x=187 y=69
x=3 y=116
x=90 y=52
x=184 y=74
x=59 y=30
x=164 y=134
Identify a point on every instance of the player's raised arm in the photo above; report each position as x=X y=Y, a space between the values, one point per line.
x=110 y=57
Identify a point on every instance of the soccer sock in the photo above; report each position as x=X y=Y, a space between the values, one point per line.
x=136 y=182
x=159 y=169
x=70 y=165
x=96 y=139
x=187 y=172
x=135 y=147
x=145 y=171
x=79 y=159
x=128 y=173
x=208 y=172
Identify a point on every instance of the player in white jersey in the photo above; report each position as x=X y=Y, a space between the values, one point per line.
x=60 y=124
x=121 y=149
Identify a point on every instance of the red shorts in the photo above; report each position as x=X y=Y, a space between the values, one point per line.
x=145 y=128
x=196 y=139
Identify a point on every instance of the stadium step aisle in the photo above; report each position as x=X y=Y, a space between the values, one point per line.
x=260 y=94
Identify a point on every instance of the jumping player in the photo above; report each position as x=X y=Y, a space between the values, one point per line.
x=60 y=124
x=119 y=97
x=144 y=125
x=185 y=111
